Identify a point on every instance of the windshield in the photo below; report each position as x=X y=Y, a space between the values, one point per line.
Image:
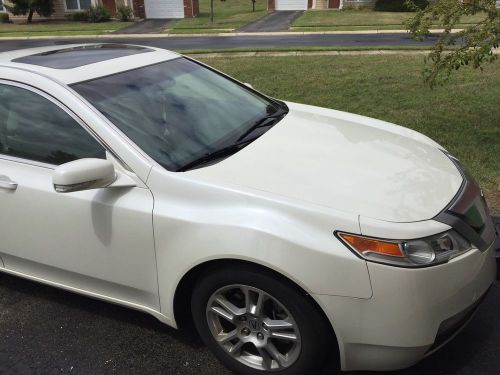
x=177 y=111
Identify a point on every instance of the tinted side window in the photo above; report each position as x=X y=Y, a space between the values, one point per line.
x=32 y=127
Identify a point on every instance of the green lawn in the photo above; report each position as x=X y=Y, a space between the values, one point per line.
x=59 y=28
x=228 y=15
x=464 y=115
x=322 y=20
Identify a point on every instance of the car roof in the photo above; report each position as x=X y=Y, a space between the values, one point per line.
x=82 y=62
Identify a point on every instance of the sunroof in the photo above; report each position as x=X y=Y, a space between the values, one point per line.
x=73 y=57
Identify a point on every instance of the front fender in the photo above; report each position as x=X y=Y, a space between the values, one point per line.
x=195 y=223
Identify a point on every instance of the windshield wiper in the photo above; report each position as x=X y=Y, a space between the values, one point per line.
x=241 y=142
x=215 y=155
x=268 y=120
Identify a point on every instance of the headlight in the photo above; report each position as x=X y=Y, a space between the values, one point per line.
x=411 y=253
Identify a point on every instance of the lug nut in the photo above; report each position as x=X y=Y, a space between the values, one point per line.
x=245 y=331
x=260 y=336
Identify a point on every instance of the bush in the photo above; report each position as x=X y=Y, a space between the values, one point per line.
x=98 y=13
x=398 y=5
x=4 y=18
x=80 y=16
x=124 y=13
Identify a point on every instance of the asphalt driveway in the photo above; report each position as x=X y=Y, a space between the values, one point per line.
x=275 y=21
x=44 y=330
x=147 y=26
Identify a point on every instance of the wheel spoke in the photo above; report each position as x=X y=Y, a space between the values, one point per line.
x=270 y=355
x=230 y=309
x=275 y=354
x=222 y=313
x=267 y=361
x=225 y=337
x=275 y=325
x=235 y=349
x=254 y=301
x=284 y=336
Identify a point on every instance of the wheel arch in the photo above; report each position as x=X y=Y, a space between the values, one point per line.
x=182 y=296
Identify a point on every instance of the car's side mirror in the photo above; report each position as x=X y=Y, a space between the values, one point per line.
x=83 y=174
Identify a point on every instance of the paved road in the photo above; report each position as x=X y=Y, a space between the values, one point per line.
x=275 y=21
x=44 y=330
x=224 y=42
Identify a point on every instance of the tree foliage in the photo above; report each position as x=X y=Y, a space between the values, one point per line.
x=44 y=8
x=471 y=46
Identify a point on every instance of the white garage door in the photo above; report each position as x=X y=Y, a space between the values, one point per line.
x=164 y=8
x=291 y=4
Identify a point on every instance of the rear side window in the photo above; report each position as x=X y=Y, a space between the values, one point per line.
x=34 y=128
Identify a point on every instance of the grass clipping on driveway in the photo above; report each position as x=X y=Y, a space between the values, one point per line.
x=463 y=116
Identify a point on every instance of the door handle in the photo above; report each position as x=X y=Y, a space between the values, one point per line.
x=6 y=183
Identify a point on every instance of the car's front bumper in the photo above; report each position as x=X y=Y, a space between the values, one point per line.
x=412 y=312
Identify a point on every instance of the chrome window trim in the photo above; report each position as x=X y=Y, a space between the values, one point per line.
x=70 y=113
x=33 y=163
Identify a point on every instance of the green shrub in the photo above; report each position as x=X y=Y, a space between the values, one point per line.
x=80 y=16
x=398 y=5
x=4 y=18
x=124 y=13
x=98 y=13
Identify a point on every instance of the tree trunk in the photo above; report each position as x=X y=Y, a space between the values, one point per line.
x=253 y=5
x=212 y=11
x=30 y=15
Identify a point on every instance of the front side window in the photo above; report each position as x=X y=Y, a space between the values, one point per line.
x=34 y=128
x=77 y=4
x=177 y=111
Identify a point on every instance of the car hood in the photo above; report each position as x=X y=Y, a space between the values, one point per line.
x=345 y=162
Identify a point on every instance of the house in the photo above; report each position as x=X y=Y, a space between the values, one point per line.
x=317 y=4
x=142 y=8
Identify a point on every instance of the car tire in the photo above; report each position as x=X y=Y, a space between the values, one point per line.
x=295 y=339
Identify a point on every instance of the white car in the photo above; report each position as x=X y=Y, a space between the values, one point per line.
x=293 y=237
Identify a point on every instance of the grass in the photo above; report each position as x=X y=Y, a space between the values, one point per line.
x=328 y=20
x=59 y=28
x=228 y=15
x=463 y=116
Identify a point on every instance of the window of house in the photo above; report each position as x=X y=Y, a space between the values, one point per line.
x=77 y=4
x=1 y=6
x=34 y=128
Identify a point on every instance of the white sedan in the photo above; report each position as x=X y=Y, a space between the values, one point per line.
x=289 y=235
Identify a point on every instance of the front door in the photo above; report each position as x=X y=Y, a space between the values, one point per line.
x=334 y=4
x=110 y=5
x=99 y=241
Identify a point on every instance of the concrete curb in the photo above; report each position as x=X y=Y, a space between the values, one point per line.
x=307 y=53
x=166 y=35
x=315 y=53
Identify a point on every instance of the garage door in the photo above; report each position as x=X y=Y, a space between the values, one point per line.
x=164 y=8
x=291 y=4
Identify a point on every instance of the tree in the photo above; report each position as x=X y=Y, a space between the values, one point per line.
x=22 y=7
x=471 y=46
x=253 y=5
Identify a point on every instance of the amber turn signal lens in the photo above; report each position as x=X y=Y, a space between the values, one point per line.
x=363 y=245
